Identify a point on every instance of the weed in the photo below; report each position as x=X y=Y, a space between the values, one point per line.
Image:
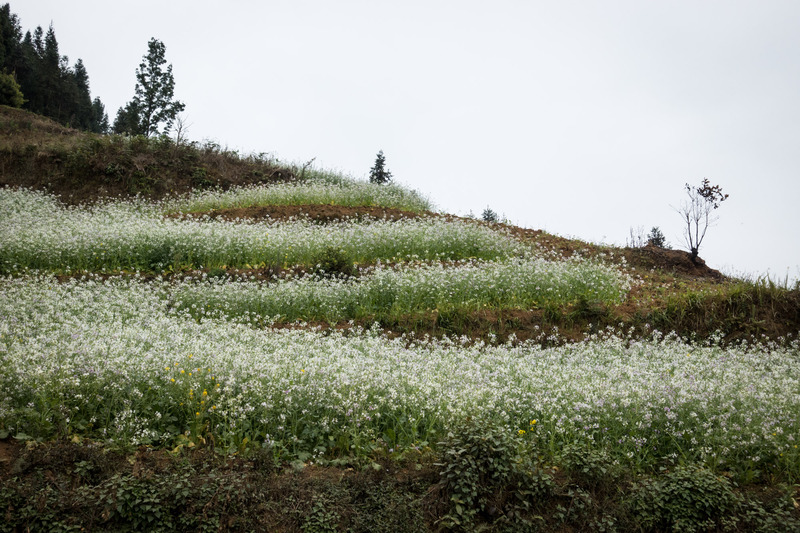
x=591 y=468
x=689 y=498
x=484 y=474
x=333 y=262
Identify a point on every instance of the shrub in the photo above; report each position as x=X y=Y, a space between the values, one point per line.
x=689 y=498
x=483 y=472
x=590 y=468
x=332 y=261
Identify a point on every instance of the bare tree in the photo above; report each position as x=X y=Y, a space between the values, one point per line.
x=182 y=126
x=697 y=213
x=637 y=238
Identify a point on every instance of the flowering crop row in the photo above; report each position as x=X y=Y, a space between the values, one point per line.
x=114 y=360
x=36 y=232
x=346 y=193
x=519 y=283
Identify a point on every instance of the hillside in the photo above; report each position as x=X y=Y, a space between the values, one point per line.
x=192 y=338
x=671 y=292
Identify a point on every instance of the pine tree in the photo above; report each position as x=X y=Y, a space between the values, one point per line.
x=153 y=103
x=129 y=119
x=10 y=40
x=656 y=238
x=489 y=215
x=378 y=173
x=50 y=77
x=99 y=122
x=49 y=85
x=82 y=99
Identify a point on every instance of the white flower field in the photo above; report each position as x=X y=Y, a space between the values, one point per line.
x=133 y=361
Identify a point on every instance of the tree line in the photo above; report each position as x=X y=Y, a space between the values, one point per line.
x=35 y=76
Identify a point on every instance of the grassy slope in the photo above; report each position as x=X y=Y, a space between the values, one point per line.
x=672 y=294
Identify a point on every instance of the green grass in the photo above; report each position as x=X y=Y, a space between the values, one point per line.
x=392 y=293
x=348 y=193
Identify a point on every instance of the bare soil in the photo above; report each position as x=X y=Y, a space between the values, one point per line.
x=317 y=213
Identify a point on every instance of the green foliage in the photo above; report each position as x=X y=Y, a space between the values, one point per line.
x=99 y=121
x=484 y=473
x=200 y=179
x=765 y=513
x=10 y=92
x=591 y=468
x=153 y=103
x=321 y=518
x=489 y=215
x=656 y=238
x=378 y=173
x=32 y=66
x=333 y=261
x=687 y=499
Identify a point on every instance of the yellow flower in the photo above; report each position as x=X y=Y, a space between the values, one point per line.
x=533 y=422
x=197 y=413
x=190 y=356
x=183 y=371
x=521 y=432
x=173 y=380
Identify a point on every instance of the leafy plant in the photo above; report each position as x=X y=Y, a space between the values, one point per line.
x=320 y=519
x=689 y=498
x=590 y=467
x=334 y=261
x=481 y=466
x=153 y=102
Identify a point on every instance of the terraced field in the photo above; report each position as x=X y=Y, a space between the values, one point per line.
x=384 y=335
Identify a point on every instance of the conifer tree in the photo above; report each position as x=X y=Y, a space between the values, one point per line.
x=378 y=173
x=489 y=215
x=99 y=122
x=48 y=85
x=153 y=103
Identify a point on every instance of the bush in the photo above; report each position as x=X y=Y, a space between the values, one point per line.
x=483 y=472
x=690 y=498
x=588 y=467
x=10 y=93
x=333 y=261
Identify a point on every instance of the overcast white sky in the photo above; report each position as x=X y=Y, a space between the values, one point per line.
x=583 y=118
